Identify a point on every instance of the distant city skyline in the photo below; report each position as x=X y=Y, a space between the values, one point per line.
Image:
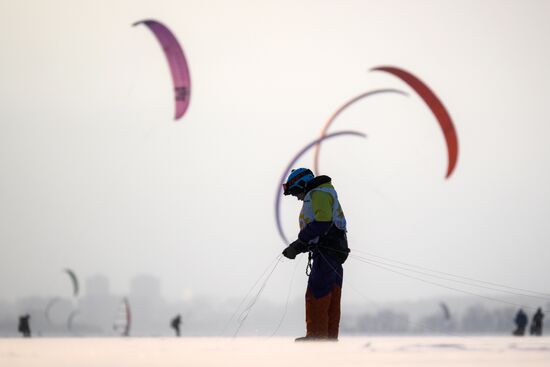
x=95 y=312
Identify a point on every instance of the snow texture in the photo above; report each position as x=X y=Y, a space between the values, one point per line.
x=242 y=352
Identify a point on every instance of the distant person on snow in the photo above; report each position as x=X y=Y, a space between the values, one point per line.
x=536 y=323
x=24 y=326
x=521 y=323
x=175 y=324
x=323 y=236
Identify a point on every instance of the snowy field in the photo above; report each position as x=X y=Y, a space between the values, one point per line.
x=242 y=352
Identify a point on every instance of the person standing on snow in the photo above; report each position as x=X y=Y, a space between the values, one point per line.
x=521 y=322
x=175 y=323
x=323 y=236
x=24 y=326
x=536 y=323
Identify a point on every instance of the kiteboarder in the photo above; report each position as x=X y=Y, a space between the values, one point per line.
x=24 y=326
x=521 y=323
x=536 y=323
x=323 y=236
x=175 y=324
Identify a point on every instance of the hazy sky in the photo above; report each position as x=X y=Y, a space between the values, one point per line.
x=96 y=175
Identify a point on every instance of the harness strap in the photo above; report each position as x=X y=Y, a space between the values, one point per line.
x=309 y=260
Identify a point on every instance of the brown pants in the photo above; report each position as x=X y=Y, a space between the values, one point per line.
x=323 y=314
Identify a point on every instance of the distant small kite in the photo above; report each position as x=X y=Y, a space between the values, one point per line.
x=74 y=281
x=70 y=320
x=123 y=321
x=446 y=311
x=49 y=307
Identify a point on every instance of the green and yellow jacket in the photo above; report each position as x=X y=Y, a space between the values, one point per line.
x=321 y=209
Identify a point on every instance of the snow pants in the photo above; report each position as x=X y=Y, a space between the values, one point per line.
x=323 y=314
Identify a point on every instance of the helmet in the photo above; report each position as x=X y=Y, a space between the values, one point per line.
x=297 y=181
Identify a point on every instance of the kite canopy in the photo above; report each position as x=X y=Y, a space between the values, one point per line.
x=48 y=308
x=445 y=310
x=70 y=320
x=289 y=167
x=123 y=321
x=437 y=108
x=339 y=111
x=177 y=63
x=74 y=281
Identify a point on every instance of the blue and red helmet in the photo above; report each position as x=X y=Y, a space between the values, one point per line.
x=297 y=181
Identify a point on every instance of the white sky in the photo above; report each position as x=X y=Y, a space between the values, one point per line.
x=96 y=176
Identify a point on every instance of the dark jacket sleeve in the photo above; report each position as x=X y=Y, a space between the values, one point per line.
x=299 y=246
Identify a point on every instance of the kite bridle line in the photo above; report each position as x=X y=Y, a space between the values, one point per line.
x=388 y=267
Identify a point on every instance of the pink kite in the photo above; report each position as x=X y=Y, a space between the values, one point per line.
x=289 y=167
x=176 y=62
x=437 y=108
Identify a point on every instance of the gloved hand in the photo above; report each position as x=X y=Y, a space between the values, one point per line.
x=290 y=252
x=295 y=248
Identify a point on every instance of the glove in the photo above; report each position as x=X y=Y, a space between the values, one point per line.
x=290 y=253
x=295 y=248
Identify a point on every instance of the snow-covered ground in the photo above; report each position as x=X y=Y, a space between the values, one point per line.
x=242 y=352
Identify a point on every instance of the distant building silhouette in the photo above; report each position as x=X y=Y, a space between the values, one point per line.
x=149 y=310
x=98 y=305
x=97 y=285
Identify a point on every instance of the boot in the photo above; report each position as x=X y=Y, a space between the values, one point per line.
x=309 y=339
